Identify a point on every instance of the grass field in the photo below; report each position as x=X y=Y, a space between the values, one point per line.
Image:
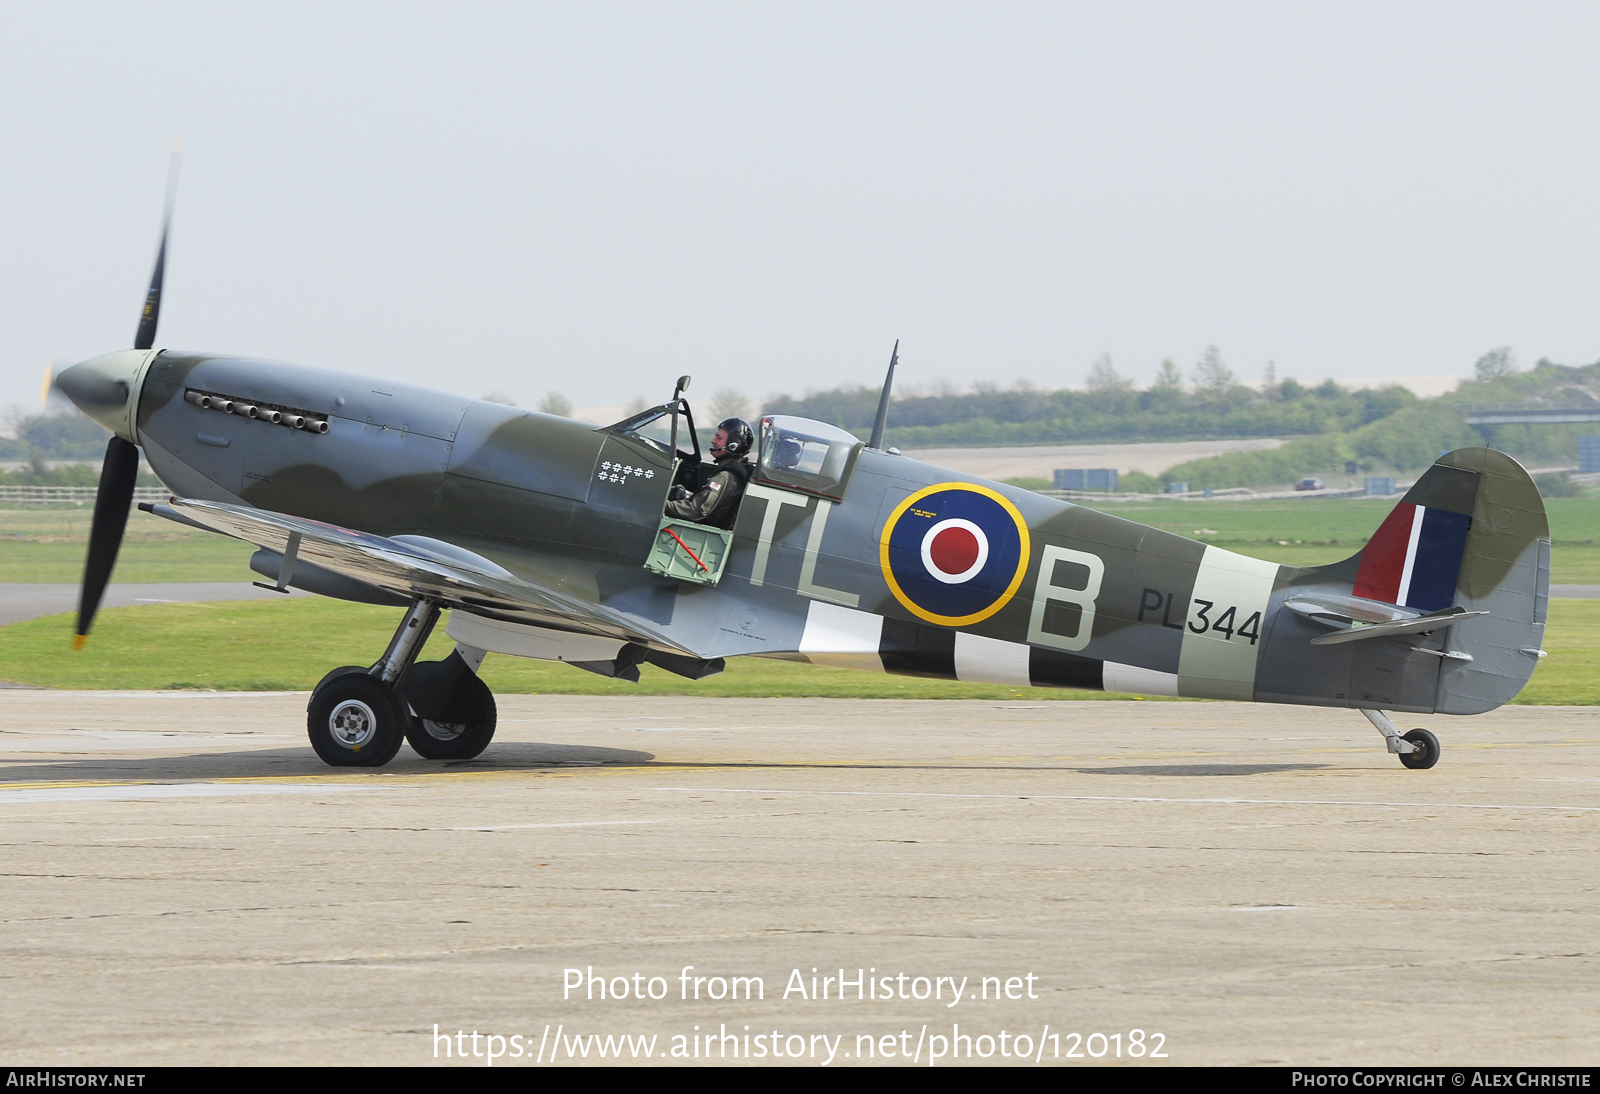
x=48 y=545
x=287 y=645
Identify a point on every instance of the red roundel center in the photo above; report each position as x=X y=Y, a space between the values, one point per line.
x=954 y=550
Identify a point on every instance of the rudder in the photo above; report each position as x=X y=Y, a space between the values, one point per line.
x=1505 y=571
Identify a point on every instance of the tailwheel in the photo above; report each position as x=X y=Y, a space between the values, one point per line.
x=355 y=720
x=1424 y=750
x=454 y=710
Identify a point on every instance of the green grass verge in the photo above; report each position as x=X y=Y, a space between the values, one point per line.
x=287 y=645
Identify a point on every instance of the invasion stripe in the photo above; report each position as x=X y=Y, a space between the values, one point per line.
x=911 y=650
x=842 y=637
x=992 y=661
x=1057 y=669
x=846 y=638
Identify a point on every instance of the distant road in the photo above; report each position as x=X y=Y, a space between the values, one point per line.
x=1040 y=462
x=19 y=602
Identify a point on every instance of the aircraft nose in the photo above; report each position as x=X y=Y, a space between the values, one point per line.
x=103 y=388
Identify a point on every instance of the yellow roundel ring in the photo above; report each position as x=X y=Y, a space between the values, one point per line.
x=954 y=553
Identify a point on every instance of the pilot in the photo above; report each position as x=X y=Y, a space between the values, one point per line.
x=718 y=500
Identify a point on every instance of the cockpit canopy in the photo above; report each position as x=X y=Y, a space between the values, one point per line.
x=654 y=428
x=802 y=454
x=795 y=453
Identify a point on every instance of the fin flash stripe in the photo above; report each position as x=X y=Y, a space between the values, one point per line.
x=1414 y=558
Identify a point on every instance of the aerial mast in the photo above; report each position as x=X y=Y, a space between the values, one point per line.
x=883 y=400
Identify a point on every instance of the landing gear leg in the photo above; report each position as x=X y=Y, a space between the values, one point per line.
x=357 y=718
x=455 y=711
x=1418 y=749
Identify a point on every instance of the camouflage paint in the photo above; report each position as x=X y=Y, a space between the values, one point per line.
x=568 y=513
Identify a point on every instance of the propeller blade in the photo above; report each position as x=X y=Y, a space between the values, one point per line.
x=146 y=335
x=111 y=505
x=48 y=383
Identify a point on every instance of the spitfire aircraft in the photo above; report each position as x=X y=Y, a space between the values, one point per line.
x=545 y=538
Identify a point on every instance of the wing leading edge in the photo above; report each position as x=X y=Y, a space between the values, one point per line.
x=415 y=567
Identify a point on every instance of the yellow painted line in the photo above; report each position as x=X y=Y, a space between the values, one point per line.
x=330 y=777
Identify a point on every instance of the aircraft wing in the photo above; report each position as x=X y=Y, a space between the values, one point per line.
x=414 y=566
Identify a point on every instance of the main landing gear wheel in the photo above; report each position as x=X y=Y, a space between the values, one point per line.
x=356 y=720
x=455 y=710
x=1424 y=750
x=357 y=717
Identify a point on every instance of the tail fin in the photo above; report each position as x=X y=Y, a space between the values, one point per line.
x=1471 y=533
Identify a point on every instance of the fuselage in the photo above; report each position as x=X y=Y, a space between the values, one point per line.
x=1052 y=594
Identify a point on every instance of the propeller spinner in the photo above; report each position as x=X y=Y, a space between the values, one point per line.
x=105 y=388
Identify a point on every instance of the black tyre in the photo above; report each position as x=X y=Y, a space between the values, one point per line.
x=356 y=720
x=454 y=711
x=1427 y=750
x=340 y=671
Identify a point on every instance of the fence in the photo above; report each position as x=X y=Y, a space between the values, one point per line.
x=1532 y=413
x=1086 y=478
x=13 y=496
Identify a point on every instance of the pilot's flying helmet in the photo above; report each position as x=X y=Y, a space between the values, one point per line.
x=740 y=436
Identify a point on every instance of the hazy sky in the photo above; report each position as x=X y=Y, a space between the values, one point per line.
x=594 y=198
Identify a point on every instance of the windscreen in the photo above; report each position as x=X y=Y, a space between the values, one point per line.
x=654 y=427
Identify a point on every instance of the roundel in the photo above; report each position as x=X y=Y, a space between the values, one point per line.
x=954 y=553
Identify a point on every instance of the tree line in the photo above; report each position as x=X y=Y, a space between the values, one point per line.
x=1412 y=437
x=1214 y=404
